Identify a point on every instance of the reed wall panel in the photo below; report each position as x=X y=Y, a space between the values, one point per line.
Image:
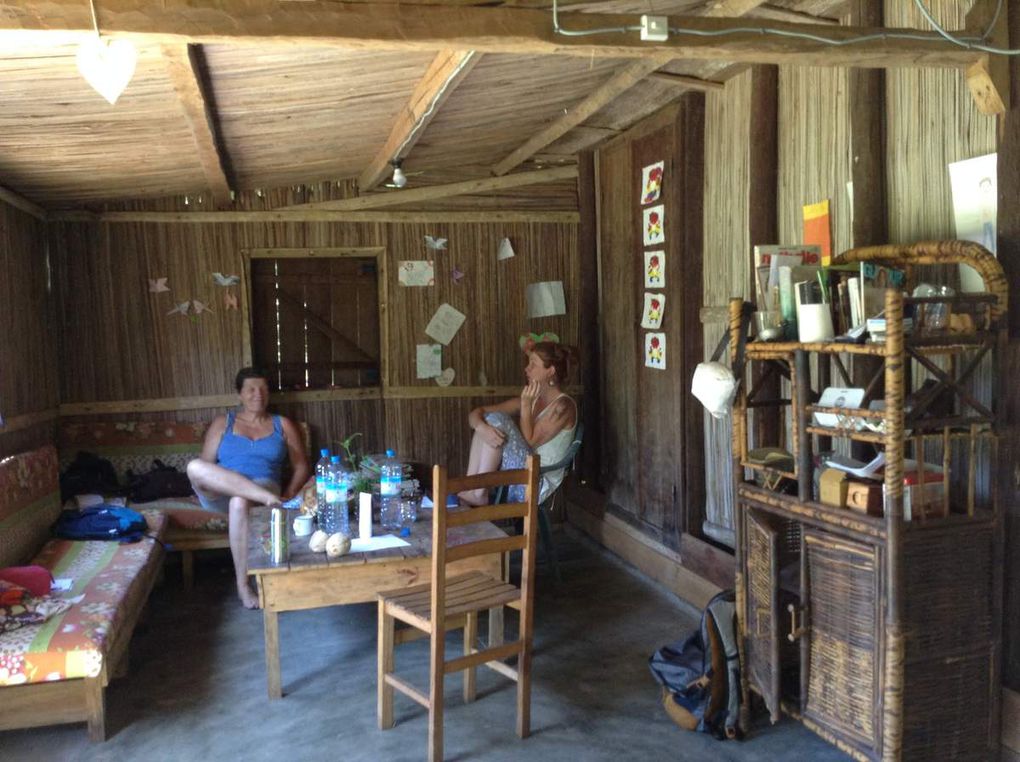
x=28 y=360
x=728 y=124
x=814 y=150
x=118 y=343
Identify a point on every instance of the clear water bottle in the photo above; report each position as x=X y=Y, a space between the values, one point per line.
x=321 y=469
x=343 y=480
x=390 y=475
x=329 y=521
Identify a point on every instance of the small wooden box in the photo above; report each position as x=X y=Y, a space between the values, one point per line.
x=864 y=498
x=832 y=487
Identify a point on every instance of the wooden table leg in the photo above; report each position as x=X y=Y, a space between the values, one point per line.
x=271 y=626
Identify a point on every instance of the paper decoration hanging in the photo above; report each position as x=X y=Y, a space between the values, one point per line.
x=456 y=274
x=817 y=228
x=483 y=380
x=546 y=299
x=445 y=323
x=651 y=182
x=200 y=307
x=535 y=338
x=180 y=309
x=226 y=280
x=416 y=273
x=446 y=377
x=655 y=350
x=651 y=316
x=435 y=244
x=654 y=225
x=655 y=269
x=158 y=285
x=505 y=251
x=230 y=301
x=429 y=360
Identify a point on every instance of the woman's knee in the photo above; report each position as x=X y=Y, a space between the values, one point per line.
x=498 y=420
x=197 y=469
x=239 y=506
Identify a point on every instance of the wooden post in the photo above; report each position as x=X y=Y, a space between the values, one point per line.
x=591 y=367
x=867 y=167
x=763 y=219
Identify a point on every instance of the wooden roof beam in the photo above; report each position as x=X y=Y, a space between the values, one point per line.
x=371 y=26
x=694 y=83
x=20 y=202
x=185 y=65
x=434 y=192
x=619 y=83
x=448 y=69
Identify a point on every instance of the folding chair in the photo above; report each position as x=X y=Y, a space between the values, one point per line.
x=431 y=606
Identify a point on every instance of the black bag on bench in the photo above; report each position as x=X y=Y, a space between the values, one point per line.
x=162 y=481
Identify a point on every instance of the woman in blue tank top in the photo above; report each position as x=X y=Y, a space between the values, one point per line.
x=242 y=465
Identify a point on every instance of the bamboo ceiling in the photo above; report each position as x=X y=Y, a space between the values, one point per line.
x=288 y=115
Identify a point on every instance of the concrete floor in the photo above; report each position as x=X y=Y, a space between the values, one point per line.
x=196 y=688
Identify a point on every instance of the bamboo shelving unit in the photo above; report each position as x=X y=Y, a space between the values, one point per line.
x=880 y=634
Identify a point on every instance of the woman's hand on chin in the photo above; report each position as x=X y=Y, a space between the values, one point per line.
x=531 y=393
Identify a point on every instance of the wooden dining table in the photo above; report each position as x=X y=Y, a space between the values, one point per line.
x=311 y=580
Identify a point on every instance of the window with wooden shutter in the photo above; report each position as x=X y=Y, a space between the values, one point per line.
x=315 y=321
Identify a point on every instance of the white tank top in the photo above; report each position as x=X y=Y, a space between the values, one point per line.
x=554 y=451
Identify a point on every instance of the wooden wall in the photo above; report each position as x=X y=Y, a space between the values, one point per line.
x=653 y=451
x=119 y=344
x=28 y=369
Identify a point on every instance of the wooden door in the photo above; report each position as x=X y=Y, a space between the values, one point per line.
x=844 y=652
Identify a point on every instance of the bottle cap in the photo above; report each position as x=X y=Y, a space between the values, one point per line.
x=324 y=452
x=405 y=531
x=334 y=459
x=391 y=454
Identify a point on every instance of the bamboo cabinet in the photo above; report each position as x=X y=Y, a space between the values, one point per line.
x=880 y=631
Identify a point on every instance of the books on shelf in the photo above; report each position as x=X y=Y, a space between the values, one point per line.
x=767 y=262
x=875 y=279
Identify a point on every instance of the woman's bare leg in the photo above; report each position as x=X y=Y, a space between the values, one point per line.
x=213 y=480
x=238 y=528
x=482 y=459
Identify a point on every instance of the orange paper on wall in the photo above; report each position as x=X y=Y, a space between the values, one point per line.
x=817 y=229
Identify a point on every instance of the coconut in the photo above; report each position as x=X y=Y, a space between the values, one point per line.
x=337 y=545
x=317 y=542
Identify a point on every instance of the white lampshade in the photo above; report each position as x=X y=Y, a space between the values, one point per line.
x=107 y=65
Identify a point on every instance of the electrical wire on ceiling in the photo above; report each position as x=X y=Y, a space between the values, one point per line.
x=970 y=43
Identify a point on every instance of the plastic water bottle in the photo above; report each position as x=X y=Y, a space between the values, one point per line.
x=321 y=468
x=328 y=519
x=390 y=475
x=342 y=481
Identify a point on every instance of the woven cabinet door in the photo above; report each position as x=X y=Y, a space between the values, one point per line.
x=762 y=615
x=844 y=659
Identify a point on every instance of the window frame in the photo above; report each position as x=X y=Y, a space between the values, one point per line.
x=378 y=253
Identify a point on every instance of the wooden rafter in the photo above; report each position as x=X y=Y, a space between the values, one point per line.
x=619 y=83
x=504 y=30
x=20 y=202
x=184 y=66
x=988 y=78
x=317 y=215
x=728 y=8
x=445 y=73
x=694 y=83
x=434 y=192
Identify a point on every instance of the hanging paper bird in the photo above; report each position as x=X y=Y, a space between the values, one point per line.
x=180 y=309
x=158 y=285
x=456 y=274
x=200 y=307
x=230 y=300
x=226 y=280
x=435 y=243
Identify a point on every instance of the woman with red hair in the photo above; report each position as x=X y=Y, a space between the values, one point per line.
x=547 y=421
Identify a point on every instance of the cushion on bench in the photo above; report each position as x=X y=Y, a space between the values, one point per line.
x=133 y=445
x=110 y=580
x=29 y=503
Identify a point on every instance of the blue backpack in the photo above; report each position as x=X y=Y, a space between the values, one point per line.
x=700 y=674
x=101 y=522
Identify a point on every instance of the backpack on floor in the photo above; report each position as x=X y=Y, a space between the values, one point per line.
x=101 y=522
x=700 y=673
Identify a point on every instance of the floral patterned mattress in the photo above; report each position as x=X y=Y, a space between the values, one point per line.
x=110 y=581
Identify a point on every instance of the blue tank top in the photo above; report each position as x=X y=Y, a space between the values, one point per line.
x=255 y=458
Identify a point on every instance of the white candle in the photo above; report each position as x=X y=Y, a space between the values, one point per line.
x=365 y=515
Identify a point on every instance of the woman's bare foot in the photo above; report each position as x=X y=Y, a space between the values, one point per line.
x=248 y=598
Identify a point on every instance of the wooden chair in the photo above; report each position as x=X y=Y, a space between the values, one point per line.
x=453 y=602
